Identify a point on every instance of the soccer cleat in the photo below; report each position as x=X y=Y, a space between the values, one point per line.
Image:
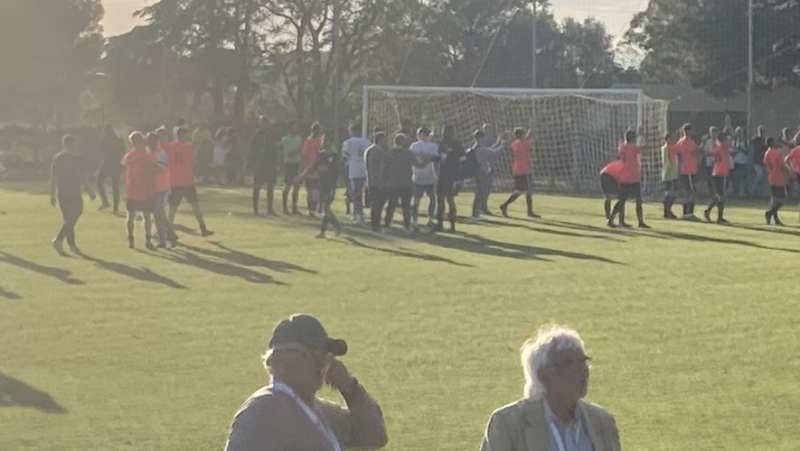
x=320 y=236
x=722 y=221
x=75 y=249
x=408 y=231
x=58 y=245
x=161 y=245
x=149 y=246
x=768 y=217
x=534 y=215
x=625 y=225
x=707 y=215
x=487 y=213
x=206 y=233
x=504 y=210
x=286 y=212
x=610 y=224
x=778 y=222
x=670 y=216
x=644 y=226
x=104 y=206
x=311 y=214
x=431 y=223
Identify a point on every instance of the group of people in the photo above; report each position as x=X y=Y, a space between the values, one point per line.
x=681 y=158
x=288 y=415
x=159 y=174
x=386 y=172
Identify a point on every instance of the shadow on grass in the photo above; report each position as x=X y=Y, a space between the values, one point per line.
x=481 y=245
x=57 y=273
x=405 y=252
x=9 y=294
x=143 y=274
x=530 y=226
x=15 y=393
x=245 y=259
x=709 y=239
x=184 y=257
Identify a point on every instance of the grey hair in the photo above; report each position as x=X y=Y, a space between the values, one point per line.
x=268 y=359
x=537 y=351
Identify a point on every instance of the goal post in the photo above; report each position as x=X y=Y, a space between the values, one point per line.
x=575 y=131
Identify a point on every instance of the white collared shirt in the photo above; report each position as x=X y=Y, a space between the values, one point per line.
x=572 y=436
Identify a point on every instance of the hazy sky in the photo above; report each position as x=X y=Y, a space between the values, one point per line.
x=615 y=13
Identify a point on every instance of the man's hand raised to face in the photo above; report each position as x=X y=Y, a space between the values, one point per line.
x=339 y=377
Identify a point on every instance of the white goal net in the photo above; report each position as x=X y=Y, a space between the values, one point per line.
x=575 y=132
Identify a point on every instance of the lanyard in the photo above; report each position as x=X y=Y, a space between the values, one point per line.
x=557 y=434
x=310 y=413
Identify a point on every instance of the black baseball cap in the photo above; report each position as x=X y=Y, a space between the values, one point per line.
x=305 y=330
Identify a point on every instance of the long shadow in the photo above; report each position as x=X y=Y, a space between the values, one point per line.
x=187 y=258
x=9 y=294
x=709 y=239
x=245 y=259
x=481 y=245
x=587 y=228
x=567 y=233
x=405 y=252
x=57 y=273
x=788 y=231
x=143 y=274
x=183 y=229
x=15 y=393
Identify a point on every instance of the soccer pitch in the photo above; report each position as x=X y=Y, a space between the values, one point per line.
x=692 y=327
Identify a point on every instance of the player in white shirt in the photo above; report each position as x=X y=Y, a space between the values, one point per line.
x=424 y=177
x=353 y=151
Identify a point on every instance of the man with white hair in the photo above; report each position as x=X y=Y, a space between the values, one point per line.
x=287 y=415
x=552 y=414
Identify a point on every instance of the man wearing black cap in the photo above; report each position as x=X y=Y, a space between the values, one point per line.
x=287 y=415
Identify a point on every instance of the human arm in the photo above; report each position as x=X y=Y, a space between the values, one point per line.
x=85 y=181
x=53 y=181
x=361 y=424
x=497 y=437
x=256 y=427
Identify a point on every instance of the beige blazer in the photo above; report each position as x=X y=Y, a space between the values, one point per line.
x=272 y=421
x=522 y=426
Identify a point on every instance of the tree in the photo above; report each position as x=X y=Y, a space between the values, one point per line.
x=704 y=43
x=49 y=50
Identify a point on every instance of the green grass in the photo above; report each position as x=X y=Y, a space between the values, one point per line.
x=693 y=327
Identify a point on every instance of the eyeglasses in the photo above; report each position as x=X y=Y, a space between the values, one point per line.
x=585 y=361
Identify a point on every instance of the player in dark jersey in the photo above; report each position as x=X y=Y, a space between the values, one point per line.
x=67 y=176
x=263 y=161
x=451 y=156
x=326 y=165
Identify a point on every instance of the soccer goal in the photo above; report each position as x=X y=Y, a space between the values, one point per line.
x=575 y=132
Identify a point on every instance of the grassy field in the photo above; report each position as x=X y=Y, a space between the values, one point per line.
x=693 y=327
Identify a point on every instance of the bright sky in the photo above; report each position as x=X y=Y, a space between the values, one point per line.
x=616 y=14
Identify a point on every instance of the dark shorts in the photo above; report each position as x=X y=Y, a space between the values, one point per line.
x=779 y=192
x=327 y=194
x=688 y=182
x=609 y=185
x=446 y=189
x=267 y=177
x=630 y=190
x=671 y=185
x=522 y=182
x=290 y=172
x=720 y=183
x=145 y=206
x=180 y=192
x=312 y=184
